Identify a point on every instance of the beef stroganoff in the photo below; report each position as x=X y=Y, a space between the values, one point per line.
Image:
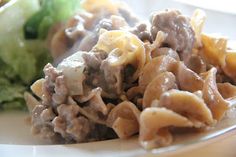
x=117 y=76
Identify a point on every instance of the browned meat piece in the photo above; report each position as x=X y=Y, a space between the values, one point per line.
x=142 y=32
x=60 y=89
x=48 y=85
x=69 y=125
x=114 y=78
x=114 y=22
x=100 y=73
x=94 y=60
x=180 y=33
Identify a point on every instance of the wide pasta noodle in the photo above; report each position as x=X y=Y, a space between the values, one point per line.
x=227 y=90
x=187 y=79
x=150 y=47
x=152 y=120
x=124 y=119
x=123 y=48
x=187 y=104
x=161 y=83
x=37 y=87
x=95 y=100
x=212 y=97
x=154 y=67
x=214 y=49
x=229 y=66
x=197 y=21
x=93 y=6
x=165 y=51
x=90 y=114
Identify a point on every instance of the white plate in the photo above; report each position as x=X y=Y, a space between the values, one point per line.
x=15 y=138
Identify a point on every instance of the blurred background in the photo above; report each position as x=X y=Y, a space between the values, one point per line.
x=221 y=14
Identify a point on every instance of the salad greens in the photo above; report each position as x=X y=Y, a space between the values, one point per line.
x=52 y=11
x=21 y=58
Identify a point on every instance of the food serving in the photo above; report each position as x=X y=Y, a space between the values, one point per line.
x=115 y=75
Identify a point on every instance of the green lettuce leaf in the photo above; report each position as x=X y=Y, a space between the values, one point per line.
x=16 y=104
x=19 y=59
x=51 y=12
x=13 y=50
x=11 y=92
x=11 y=95
x=18 y=65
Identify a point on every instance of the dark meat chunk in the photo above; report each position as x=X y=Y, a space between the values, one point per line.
x=41 y=123
x=60 y=89
x=180 y=33
x=105 y=24
x=70 y=125
x=51 y=75
x=142 y=32
x=79 y=128
x=100 y=73
x=102 y=132
x=113 y=23
x=94 y=60
x=114 y=78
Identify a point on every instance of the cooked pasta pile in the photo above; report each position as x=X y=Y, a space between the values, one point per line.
x=124 y=77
